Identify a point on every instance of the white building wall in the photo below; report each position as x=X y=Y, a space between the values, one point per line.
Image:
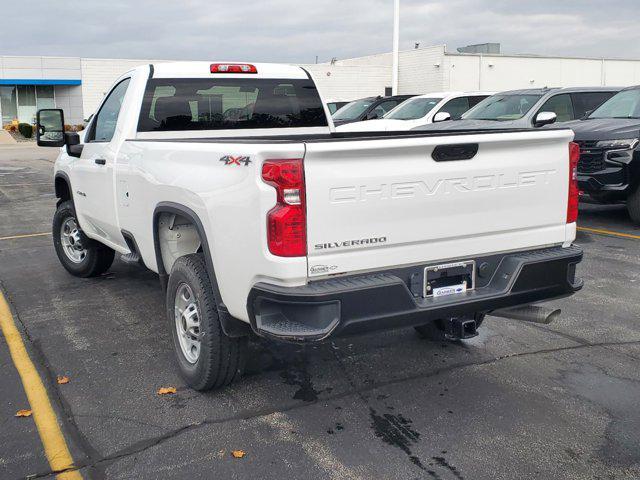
x=69 y=99
x=421 y=70
x=380 y=59
x=98 y=76
x=621 y=72
x=460 y=73
x=346 y=83
x=502 y=72
x=36 y=68
x=506 y=73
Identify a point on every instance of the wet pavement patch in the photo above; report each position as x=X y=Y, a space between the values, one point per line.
x=395 y=430
x=297 y=374
x=337 y=428
x=442 y=462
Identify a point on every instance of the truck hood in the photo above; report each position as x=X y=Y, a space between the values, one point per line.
x=468 y=125
x=605 y=128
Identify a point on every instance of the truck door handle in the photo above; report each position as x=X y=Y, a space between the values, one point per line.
x=100 y=161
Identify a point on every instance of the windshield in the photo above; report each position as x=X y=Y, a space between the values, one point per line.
x=413 y=109
x=502 y=108
x=625 y=104
x=353 y=110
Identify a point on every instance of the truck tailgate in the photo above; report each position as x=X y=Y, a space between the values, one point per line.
x=375 y=203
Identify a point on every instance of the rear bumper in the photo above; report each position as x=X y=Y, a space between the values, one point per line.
x=393 y=299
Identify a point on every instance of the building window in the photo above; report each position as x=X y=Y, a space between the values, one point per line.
x=45 y=97
x=8 y=104
x=27 y=103
x=21 y=102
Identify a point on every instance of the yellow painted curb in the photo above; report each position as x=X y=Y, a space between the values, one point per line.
x=608 y=232
x=55 y=446
x=26 y=235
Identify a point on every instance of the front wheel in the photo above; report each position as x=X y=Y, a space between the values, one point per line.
x=207 y=358
x=633 y=205
x=78 y=254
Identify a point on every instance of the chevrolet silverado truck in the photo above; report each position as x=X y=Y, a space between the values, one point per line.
x=609 y=140
x=229 y=182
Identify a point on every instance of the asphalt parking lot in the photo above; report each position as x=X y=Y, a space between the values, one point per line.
x=520 y=401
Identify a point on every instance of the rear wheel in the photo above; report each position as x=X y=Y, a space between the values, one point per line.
x=78 y=254
x=207 y=358
x=633 y=205
x=436 y=329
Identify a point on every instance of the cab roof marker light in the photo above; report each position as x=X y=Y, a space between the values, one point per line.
x=233 y=68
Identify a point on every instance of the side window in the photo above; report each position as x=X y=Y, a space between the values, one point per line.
x=384 y=107
x=473 y=101
x=584 y=102
x=104 y=125
x=561 y=105
x=456 y=107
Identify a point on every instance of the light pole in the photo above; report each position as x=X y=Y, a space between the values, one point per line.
x=396 y=42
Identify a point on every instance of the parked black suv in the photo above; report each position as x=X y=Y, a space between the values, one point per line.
x=609 y=167
x=367 y=109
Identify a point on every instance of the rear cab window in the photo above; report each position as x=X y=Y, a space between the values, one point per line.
x=178 y=104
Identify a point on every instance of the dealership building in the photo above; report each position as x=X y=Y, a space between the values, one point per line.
x=78 y=84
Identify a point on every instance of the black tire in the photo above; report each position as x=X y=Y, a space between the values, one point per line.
x=97 y=258
x=435 y=330
x=633 y=205
x=221 y=359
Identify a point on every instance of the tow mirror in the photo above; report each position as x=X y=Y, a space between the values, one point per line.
x=441 y=117
x=50 y=128
x=544 y=118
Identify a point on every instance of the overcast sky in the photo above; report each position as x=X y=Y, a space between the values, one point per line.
x=297 y=31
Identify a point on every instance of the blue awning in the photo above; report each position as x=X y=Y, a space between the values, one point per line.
x=37 y=81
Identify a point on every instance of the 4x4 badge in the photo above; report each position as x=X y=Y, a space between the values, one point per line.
x=230 y=160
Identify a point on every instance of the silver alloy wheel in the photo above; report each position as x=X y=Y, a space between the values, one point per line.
x=71 y=239
x=187 y=323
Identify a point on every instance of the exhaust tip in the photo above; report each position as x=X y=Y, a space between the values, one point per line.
x=553 y=316
x=529 y=313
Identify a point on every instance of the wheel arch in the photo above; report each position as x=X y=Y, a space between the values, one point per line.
x=62 y=185
x=231 y=326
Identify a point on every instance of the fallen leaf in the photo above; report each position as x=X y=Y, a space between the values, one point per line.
x=166 y=390
x=63 y=379
x=238 y=453
x=23 y=413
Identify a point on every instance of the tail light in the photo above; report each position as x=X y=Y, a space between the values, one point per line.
x=574 y=191
x=287 y=221
x=233 y=68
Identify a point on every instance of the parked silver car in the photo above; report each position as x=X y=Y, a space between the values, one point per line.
x=533 y=107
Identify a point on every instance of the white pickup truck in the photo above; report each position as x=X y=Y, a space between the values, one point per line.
x=229 y=181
